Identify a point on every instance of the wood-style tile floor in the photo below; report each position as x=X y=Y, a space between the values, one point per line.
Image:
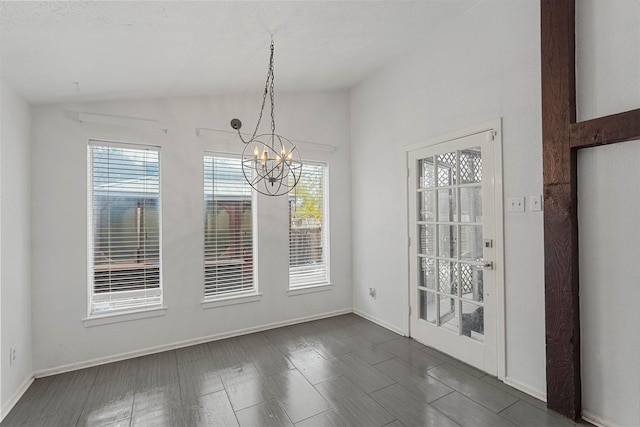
x=341 y=371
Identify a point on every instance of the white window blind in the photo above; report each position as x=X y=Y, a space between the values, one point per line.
x=308 y=228
x=124 y=227
x=228 y=228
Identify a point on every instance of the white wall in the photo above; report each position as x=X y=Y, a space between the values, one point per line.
x=608 y=82
x=484 y=65
x=608 y=185
x=15 y=264
x=607 y=57
x=60 y=224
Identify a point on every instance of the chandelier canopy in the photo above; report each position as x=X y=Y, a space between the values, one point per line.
x=270 y=162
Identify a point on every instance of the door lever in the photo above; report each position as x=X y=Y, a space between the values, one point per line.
x=487 y=265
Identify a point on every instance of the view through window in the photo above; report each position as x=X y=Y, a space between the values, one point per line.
x=228 y=228
x=124 y=221
x=308 y=230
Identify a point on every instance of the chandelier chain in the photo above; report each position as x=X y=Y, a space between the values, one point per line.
x=272 y=93
x=268 y=89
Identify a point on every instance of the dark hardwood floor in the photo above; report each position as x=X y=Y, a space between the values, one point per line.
x=340 y=371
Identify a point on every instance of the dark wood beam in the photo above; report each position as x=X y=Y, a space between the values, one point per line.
x=561 y=139
x=606 y=130
x=562 y=315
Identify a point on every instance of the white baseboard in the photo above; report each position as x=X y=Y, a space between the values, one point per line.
x=186 y=343
x=380 y=322
x=594 y=419
x=8 y=406
x=540 y=395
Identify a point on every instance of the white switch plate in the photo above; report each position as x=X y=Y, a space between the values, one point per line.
x=515 y=204
x=535 y=203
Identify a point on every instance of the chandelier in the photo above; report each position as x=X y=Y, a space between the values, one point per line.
x=270 y=162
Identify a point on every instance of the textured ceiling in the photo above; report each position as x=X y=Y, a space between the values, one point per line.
x=150 y=49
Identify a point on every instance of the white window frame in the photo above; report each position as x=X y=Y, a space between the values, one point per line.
x=149 y=309
x=242 y=295
x=301 y=287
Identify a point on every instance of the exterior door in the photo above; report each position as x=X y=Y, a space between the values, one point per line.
x=452 y=237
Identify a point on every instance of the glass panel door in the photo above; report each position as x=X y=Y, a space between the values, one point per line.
x=452 y=222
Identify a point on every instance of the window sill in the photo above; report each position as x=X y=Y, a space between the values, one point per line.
x=231 y=300
x=117 y=317
x=309 y=289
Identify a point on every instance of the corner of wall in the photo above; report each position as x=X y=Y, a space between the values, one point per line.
x=16 y=358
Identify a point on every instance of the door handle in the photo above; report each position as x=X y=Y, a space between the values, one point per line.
x=487 y=265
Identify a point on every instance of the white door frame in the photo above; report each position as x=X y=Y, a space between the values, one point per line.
x=496 y=127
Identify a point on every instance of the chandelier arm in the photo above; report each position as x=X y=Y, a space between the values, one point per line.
x=248 y=179
x=266 y=193
x=271 y=171
x=279 y=187
x=296 y=179
x=257 y=180
x=261 y=176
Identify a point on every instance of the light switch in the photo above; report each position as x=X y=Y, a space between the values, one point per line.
x=535 y=203
x=515 y=204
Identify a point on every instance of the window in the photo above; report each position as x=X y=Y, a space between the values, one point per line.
x=228 y=229
x=308 y=228
x=124 y=227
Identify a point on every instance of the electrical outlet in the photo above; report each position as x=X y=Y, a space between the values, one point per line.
x=12 y=356
x=535 y=203
x=372 y=293
x=515 y=204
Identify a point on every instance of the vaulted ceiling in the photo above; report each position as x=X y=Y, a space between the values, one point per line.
x=57 y=51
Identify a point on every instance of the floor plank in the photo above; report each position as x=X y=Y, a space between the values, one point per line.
x=268 y=414
x=330 y=418
x=354 y=404
x=417 y=382
x=209 y=410
x=410 y=409
x=365 y=376
x=296 y=395
x=268 y=360
x=466 y=412
x=471 y=387
x=111 y=402
x=198 y=377
x=523 y=414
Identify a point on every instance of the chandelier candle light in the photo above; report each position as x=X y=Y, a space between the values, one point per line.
x=270 y=162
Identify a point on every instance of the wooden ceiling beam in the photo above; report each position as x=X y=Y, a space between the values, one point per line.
x=606 y=130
